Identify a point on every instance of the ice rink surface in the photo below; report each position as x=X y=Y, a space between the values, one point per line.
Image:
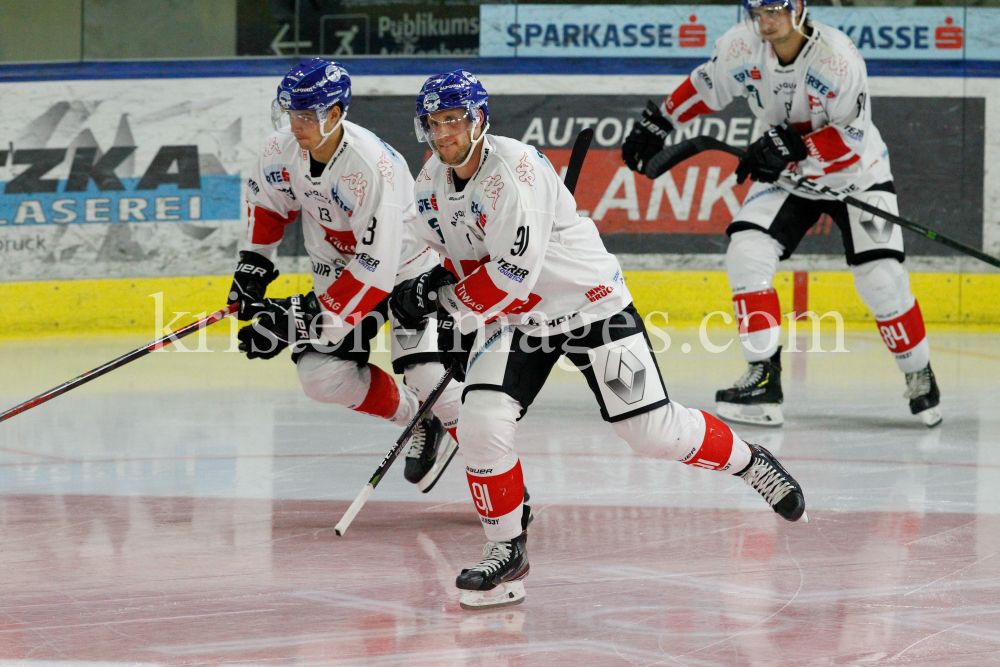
x=180 y=511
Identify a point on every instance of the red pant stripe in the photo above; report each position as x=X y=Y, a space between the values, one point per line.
x=497 y=495
x=905 y=332
x=382 y=399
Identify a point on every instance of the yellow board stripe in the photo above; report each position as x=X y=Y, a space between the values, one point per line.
x=124 y=305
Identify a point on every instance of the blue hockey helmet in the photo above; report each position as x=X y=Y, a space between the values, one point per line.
x=459 y=89
x=314 y=85
x=797 y=9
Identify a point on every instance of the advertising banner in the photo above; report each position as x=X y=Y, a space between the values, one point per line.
x=673 y=31
x=137 y=178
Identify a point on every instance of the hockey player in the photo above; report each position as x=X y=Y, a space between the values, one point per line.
x=808 y=84
x=354 y=197
x=529 y=280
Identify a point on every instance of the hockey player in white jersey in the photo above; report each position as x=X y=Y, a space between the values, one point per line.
x=807 y=84
x=353 y=195
x=527 y=280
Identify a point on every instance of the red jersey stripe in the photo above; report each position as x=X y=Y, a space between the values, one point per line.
x=683 y=93
x=266 y=226
x=478 y=292
x=827 y=145
x=697 y=109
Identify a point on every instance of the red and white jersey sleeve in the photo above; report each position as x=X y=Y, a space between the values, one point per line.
x=271 y=200
x=517 y=245
x=823 y=94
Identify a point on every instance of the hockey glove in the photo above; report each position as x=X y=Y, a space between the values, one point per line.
x=646 y=139
x=413 y=300
x=253 y=274
x=280 y=323
x=453 y=347
x=770 y=155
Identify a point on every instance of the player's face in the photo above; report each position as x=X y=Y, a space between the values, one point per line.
x=774 y=22
x=450 y=130
x=305 y=125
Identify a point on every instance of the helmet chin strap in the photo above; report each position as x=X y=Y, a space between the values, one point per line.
x=327 y=135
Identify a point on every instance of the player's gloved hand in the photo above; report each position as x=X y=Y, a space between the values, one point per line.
x=646 y=139
x=414 y=299
x=280 y=323
x=453 y=347
x=254 y=273
x=769 y=155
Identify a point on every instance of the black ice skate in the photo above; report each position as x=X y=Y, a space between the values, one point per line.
x=496 y=581
x=756 y=397
x=922 y=390
x=431 y=450
x=779 y=489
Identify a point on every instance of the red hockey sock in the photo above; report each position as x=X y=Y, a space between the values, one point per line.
x=721 y=449
x=758 y=315
x=498 y=492
x=382 y=399
x=903 y=333
x=453 y=432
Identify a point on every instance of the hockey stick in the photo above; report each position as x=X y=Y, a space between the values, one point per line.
x=671 y=156
x=120 y=361
x=576 y=158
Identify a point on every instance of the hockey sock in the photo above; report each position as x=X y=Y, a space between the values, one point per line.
x=498 y=493
x=758 y=315
x=453 y=432
x=721 y=449
x=906 y=339
x=387 y=399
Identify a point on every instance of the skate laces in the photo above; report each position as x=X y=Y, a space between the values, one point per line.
x=767 y=480
x=418 y=440
x=918 y=384
x=751 y=376
x=495 y=556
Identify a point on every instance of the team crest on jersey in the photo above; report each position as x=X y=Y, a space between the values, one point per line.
x=836 y=64
x=272 y=148
x=738 y=48
x=423 y=175
x=525 y=172
x=385 y=168
x=356 y=183
x=492 y=185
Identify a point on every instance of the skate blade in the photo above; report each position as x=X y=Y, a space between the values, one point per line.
x=805 y=517
x=763 y=414
x=931 y=417
x=446 y=452
x=506 y=594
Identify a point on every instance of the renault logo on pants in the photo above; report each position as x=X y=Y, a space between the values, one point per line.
x=625 y=375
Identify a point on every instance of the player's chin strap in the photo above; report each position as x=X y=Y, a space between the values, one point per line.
x=671 y=156
x=327 y=135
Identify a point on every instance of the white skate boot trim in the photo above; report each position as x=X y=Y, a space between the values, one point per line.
x=446 y=452
x=931 y=416
x=504 y=595
x=762 y=414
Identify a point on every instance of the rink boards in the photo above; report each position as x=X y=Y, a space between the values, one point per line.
x=181 y=148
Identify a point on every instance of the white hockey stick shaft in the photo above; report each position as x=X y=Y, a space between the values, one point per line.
x=353 y=510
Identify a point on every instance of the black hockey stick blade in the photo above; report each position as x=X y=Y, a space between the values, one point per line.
x=671 y=156
x=120 y=361
x=576 y=158
x=383 y=467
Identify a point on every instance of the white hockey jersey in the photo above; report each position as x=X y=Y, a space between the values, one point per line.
x=516 y=243
x=823 y=94
x=357 y=219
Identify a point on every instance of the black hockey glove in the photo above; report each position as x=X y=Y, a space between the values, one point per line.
x=280 y=323
x=253 y=274
x=646 y=139
x=414 y=299
x=453 y=347
x=769 y=155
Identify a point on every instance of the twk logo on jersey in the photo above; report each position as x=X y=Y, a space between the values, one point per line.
x=625 y=375
x=492 y=185
x=356 y=183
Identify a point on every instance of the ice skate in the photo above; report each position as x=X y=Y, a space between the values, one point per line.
x=773 y=482
x=496 y=581
x=431 y=450
x=756 y=397
x=922 y=390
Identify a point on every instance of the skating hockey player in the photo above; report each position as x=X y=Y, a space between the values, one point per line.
x=527 y=280
x=353 y=195
x=808 y=86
